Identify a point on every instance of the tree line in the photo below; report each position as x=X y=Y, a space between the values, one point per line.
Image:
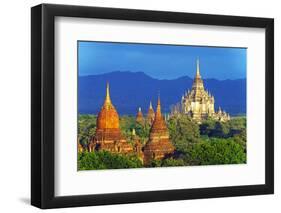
x=208 y=143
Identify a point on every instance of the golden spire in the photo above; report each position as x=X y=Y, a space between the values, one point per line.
x=158 y=110
x=197 y=82
x=150 y=105
x=107 y=101
x=158 y=123
x=150 y=114
x=198 y=68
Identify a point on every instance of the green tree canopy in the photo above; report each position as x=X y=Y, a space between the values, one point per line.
x=86 y=128
x=172 y=162
x=106 y=160
x=217 y=151
x=212 y=128
x=183 y=132
x=128 y=123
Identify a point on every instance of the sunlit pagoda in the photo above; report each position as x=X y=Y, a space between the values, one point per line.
x=108 y=135
x=139 y=117
x=150 y=114
x=199 y=103
x=158 y=145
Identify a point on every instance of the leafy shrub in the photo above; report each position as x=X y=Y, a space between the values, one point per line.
x=86 y=128
x=183 y=132
x=106 y=160
x=217 y=151
x=212 y=128
x=173 y=162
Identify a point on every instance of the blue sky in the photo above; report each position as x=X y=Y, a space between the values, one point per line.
x=161 y=61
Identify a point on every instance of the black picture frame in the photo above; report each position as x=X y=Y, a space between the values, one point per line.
x=43 y=117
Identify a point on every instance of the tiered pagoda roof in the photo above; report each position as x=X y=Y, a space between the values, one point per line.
x=150 y=114
x=108 y=117
x=158 y=145
x=199 y=103
x=159 y=123
x=108 y=135
x=139 y=117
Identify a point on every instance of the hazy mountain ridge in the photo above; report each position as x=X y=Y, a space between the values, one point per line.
x=130 y=90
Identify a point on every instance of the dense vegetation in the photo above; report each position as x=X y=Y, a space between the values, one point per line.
x=86 y=128
x=106 y=160
x=209 y=143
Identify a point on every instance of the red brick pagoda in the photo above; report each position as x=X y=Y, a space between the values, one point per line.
x=158 y=145
x=108 y=136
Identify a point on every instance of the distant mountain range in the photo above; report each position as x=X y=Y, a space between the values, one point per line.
x=130 y=90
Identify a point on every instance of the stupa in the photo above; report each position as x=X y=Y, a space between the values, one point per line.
x=150 y=114
x=139 y=117
x=108 y=135
x=159 y=145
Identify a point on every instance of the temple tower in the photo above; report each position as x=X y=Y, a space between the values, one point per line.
x=198 y=103
x=139 y=117
x=158 y=145
x=150 y=114
x=108 y=135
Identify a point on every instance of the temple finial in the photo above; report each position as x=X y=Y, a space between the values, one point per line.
x=158 y=105
x=107 y=97
x=197 y=67
x=150 y=105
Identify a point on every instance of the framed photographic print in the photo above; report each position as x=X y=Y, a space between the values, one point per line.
x=139 y=106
